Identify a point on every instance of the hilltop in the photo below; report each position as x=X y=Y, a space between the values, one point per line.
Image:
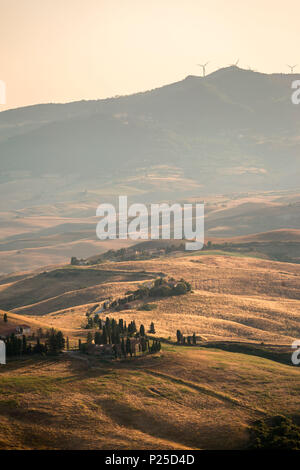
x=230 y=139
x=228 y=129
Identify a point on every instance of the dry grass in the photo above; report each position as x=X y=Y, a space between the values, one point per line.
x=233 y=298
x=179 y=399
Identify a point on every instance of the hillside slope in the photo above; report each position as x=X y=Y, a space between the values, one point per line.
x=178 y=399
x=234 y=298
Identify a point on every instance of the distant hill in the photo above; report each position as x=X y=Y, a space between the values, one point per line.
x=230 y=138
x=231 y=129
x=282 y=235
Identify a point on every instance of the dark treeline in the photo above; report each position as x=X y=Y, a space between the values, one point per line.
x=111 y=330
x=189 y=340
x=122 y=336
x=129 y=254
x=135 y=253
x=161 y=288
x=54 y=343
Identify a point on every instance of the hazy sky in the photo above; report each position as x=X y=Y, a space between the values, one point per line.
x=65 y=50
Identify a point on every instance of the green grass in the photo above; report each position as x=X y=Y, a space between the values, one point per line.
x=23 y=384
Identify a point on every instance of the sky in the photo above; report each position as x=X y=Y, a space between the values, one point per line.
x=68 y=50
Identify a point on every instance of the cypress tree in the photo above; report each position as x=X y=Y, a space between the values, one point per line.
x=142 y=330
x=104 y=335
x=117 y=336
x=52 y=344
x=128 y=347
x=143 y=344
x=24 y=345
x=60 y=341
x=123 y=348
x=89 y=338
x=98 y=337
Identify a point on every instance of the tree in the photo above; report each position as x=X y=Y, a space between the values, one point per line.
x=60 y=341
x=143 y=344
x=24 y=344
x=104 y=335
x=152 y=328
x=115 y=350
x=89 y=337
x=194 y=339
x=179 y=336
x=128 y=347
x=123 y=348
x=39 y=348
x=117 y=335
x=40 y=332
x=98 y=337
x=142 y=330
x=55 y=342
x=68 y=344
x=5 y=317
x=180 y=288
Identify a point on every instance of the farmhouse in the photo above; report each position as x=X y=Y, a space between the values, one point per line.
x=18 y=330
x=103 y=350
x=23 y=329
x=109 y=351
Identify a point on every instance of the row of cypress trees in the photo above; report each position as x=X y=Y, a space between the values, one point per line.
x=111 y=331
x=16 y=346
x=189 y=340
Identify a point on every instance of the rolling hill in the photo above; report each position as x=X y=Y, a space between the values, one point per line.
x=233 y=128
x=245 y=312
x=182 y=398
x=234 y=297
x=230 y=138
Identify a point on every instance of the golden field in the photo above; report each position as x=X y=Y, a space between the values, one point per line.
x=181 y=398
x=233 y=297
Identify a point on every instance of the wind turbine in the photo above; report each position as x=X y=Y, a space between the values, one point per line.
x=292 y=67
x=235 y=64
x=203 y=67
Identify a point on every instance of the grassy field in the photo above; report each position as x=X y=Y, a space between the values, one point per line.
x=225 y=253
x=184 y=397
x=180 y=398
x=233 y=298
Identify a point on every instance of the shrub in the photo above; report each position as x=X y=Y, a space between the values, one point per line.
x=148 y=307
x=279 y=433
